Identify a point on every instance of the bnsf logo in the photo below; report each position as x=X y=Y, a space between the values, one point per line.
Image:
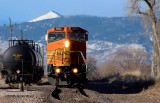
x=62 y=53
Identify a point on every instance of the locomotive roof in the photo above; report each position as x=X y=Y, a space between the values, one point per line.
x=64 y=27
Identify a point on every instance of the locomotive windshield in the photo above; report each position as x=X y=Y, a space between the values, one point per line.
x=77 y=36
x=55 y=36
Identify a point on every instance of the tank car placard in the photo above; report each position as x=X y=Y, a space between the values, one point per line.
x=17 y=56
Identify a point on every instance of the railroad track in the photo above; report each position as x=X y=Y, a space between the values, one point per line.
x=46 y=89
x=54 y=96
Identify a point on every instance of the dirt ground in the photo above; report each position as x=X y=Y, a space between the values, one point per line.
x=95 y=92
x=150 y=95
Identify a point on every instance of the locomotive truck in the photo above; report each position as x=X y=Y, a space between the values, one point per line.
x=66 y=55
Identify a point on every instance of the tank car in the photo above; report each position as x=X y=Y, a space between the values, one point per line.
x=22 y=58
x=66 y=55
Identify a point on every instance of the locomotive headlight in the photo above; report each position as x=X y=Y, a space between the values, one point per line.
x=75 y=70
x=66 y=43
x=58 y=70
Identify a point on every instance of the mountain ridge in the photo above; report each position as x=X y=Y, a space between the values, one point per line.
x=120 y=31
x=49 y=15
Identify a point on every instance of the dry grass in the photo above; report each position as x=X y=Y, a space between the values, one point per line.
x=153 y=88
x=136 y=73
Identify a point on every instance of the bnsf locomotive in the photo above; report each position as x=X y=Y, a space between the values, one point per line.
x=66 y=55
x=22 y=58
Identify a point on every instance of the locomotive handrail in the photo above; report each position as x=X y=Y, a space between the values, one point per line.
x=81 y=55
x=83 y=58
x=51 y=54
x=71 y=51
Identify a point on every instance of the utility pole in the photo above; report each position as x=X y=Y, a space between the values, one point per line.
x=21 y=79
x=10 y=31
x=10 y=26
x=26 y=37
x=21 y=35
x=43 y=56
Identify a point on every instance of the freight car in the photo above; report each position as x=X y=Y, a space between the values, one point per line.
x=22 y=59
x=66 y=55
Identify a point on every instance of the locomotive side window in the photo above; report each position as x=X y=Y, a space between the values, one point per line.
x=77 y=36
x=55 y=36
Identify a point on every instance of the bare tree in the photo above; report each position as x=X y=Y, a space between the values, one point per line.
x=127 y=62
x=91 y=65
x=149 y=10
x=1 y=61
x=131 y=59
x=109 y=68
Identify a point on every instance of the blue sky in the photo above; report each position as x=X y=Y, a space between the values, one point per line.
x=24 y=10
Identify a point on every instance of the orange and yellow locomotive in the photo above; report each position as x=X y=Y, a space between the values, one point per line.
x=66 y=55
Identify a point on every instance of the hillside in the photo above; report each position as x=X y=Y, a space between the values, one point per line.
x=109 y=34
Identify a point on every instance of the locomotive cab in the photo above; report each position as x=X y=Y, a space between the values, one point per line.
x=66 y=55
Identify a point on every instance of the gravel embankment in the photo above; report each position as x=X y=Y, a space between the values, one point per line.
x=93 y=92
